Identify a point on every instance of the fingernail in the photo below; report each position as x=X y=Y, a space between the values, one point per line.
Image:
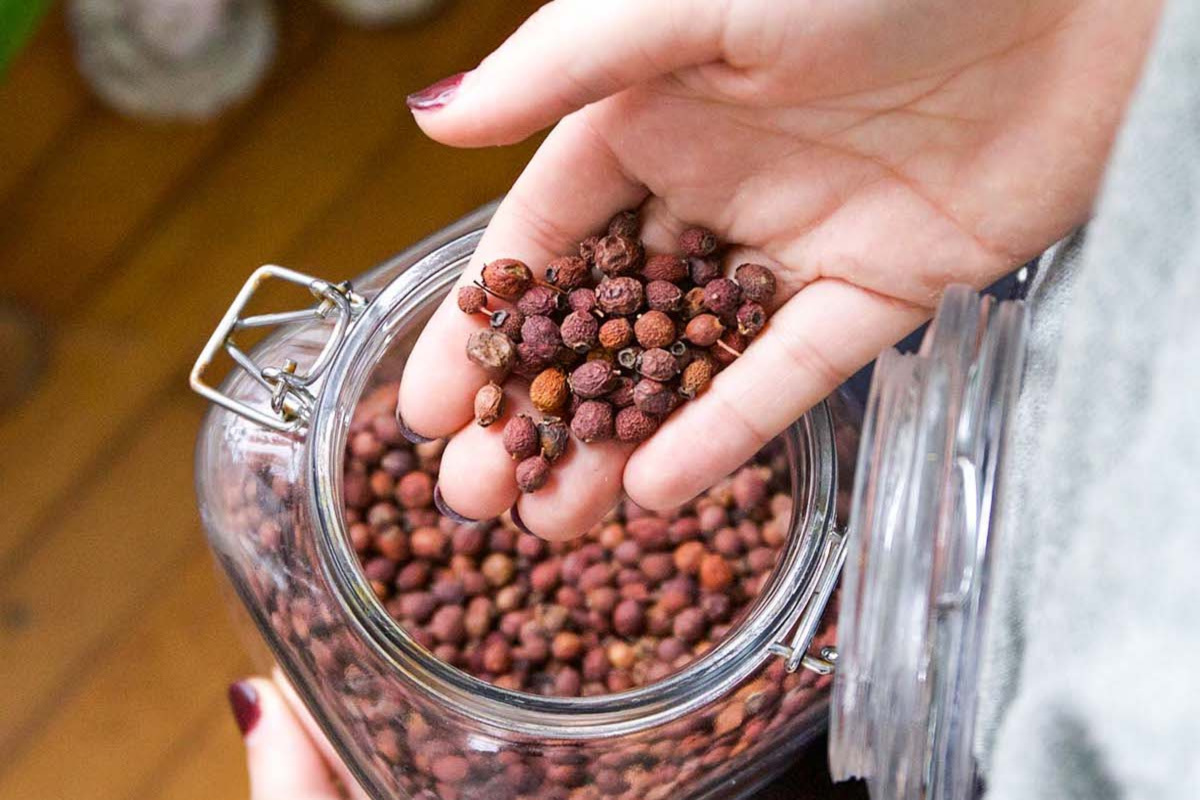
x=436 y=95
x=409 y=433
x=243 y=699
x=447 y=511
x=518 y=522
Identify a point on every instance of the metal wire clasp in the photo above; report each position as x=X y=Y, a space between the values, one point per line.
x=795 y=650
x=290 y=390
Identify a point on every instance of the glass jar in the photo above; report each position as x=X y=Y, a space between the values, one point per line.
x=270 y=485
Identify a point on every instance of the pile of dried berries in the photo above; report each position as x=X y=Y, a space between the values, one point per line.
x=635 y=599
x=612 y=341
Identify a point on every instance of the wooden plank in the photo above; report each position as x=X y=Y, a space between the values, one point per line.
x=111 y=176
x=212 y=766
x=463 y=180
x=93 y=386
x=97 y=565
x=41 y=96
x=109 y=731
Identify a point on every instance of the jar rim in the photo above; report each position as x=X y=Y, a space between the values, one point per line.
x=435 y=264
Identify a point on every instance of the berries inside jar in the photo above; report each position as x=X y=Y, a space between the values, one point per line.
x=636 y=598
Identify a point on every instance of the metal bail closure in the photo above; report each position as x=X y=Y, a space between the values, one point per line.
x=290 y=390
x=795 y=650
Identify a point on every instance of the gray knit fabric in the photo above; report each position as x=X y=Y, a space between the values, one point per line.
x=1093 y=684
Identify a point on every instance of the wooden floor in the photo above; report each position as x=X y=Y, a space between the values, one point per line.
x=127 y=240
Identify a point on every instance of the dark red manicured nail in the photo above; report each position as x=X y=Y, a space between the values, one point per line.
x=243 y=699
x=437 y=95
x=447 y=511
x=409 y=433
x=518 y=522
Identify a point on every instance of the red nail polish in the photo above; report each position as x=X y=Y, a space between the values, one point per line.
x=437 y=95
x=243 y=699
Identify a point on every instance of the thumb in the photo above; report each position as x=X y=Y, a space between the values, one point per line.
x=568 y=54
x=283 y=761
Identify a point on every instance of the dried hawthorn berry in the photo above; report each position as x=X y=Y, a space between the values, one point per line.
x=471 y=299
x=507 y=277
x=654 y=398
x=657 y=364
x=664 y=267
x=622 y=395
x=592 y=379
x=541 y=331
x=521 y=437
x=620 y=296
x=568 y=272
x=489 y=404
x=629 y=357
x=582 y=299
x=616 y=333
x=549 y=390
x=704 y=330
x=491 y=350
x=618 y=255
x=722 y=297
x=715 y=572
x=625 y=223
x=508 y=322
x=751 y=318
x=757 y=282
x=654 y=329
x=634 y=425
x=593 y=421
x=703 y=270
x=532 y=359
x=729 y=347
x=696 y=376
x=553 y=436
x=580 y=331
x=532 y=473
x=538 y=301
x=663 y=296
x=693 y=303
x=587 y=250
x=698 y=242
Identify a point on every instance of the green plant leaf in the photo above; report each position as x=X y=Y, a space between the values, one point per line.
x=18 y=20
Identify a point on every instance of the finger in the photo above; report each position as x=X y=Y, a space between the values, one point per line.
x=284 y=762
x=582 y=488
x=567 y=55
x=476 y=478
x=812 y=344
x=571 y=187
x=317 y=736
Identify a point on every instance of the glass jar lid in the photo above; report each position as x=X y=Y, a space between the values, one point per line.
x=923 y=525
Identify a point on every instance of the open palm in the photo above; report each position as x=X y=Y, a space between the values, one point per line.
x=870 y=152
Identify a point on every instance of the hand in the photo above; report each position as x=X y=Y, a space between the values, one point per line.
x=288 y=756
x=869 y=152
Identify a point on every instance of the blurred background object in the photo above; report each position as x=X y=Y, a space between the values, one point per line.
x=384 y=12
x=121 y=244
x=172 y=58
